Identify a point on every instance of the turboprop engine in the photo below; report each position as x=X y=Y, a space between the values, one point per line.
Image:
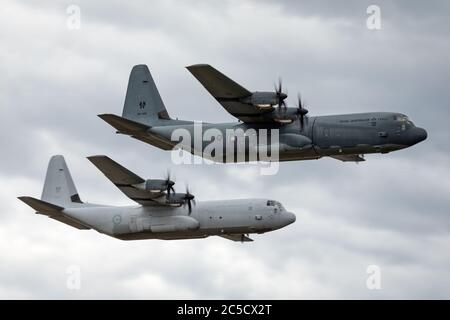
x=156 y=185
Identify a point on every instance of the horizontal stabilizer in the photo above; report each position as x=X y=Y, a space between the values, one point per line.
x=53 y=211
x=138 y=131
x=41 y=206
x=237 y=237
x=123 y=125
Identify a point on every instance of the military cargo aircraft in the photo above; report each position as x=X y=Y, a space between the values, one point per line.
x=345 y=137
x=161 y=214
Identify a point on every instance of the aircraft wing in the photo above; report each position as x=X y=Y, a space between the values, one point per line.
x=217 y=84
x=349 y=158
x=127 y=181
x=237 y=237
x=227 y=92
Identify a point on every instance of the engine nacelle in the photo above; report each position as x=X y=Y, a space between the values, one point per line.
x=152 y=185
x=263 y=100
x=176 y=199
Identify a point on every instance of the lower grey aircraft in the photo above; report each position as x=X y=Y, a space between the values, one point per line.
x=161 y=214
x=346 y=137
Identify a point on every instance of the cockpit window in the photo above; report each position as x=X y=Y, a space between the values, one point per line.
x=273 y=203
x=401 y=118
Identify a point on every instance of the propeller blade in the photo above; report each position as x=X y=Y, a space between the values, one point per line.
x=168 y=187
x=188 y=198
x=280 y=96
x=301 y=112
x=169 y=184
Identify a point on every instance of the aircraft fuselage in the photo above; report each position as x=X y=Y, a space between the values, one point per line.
x=207 y=219
x=348 y=134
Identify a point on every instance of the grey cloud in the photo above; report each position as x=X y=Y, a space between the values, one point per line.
x=391 y=210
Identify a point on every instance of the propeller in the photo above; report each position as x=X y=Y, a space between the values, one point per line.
x=301 y=112
x=188 y=198
x=280 y=95
x=169 y=184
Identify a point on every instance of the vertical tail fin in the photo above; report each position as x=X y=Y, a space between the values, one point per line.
x=143 y=103
x=59 y=188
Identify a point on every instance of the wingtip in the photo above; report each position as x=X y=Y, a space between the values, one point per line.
x=97 y=156
x=26 y=199
x=105 y=115
x=197 y=65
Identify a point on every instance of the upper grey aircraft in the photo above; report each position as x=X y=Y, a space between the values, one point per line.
x=346 y=137
x=161 y=213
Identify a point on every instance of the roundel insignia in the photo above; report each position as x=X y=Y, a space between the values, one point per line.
x=117 y=219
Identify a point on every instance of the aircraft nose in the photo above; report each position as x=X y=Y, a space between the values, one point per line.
x=290 y=218
x=416 y=135
x=421 y=134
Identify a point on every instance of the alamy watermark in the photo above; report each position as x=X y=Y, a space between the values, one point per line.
x=73 y=281
x=373 y=281
x=212 y=145
x=73 y=21
x=373 y=21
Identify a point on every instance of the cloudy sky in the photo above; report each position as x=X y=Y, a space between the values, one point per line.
x=391 y=211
